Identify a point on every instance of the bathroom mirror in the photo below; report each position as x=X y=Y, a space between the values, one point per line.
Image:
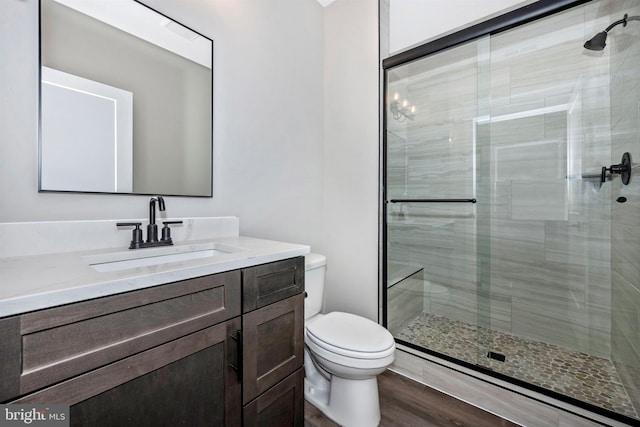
x=125 y=100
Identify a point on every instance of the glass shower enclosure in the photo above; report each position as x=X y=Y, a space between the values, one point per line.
x=506 y=245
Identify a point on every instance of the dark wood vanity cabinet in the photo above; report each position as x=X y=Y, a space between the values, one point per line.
x=273 y=344
x=175 y=354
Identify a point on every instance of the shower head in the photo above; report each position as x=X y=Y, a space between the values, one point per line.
x=598 y=42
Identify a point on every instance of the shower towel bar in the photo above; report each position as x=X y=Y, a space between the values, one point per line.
x=432 y=201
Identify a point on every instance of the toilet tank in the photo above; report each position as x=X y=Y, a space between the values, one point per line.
x=314 y=266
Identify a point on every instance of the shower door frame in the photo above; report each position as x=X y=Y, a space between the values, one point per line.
x=515 y=18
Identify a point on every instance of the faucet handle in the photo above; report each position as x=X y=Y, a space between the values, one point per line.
x=128 y=224
x=166 y=231
x=136 y=240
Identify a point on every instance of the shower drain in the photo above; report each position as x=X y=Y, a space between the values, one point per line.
x=496 y=356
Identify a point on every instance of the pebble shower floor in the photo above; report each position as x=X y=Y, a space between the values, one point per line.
x=569 y=372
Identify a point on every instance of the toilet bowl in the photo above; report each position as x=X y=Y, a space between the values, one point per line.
x=344 y=354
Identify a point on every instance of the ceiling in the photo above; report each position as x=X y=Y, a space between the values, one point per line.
x=325 y=2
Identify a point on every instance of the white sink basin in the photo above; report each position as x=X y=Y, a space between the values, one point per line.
x=117 y=261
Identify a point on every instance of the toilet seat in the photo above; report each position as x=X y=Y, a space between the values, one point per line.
x=352 y=336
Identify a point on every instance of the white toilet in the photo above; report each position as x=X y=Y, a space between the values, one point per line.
x=343 y=356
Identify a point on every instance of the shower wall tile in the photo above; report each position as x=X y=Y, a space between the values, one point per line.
x=624 y=107
x=626 y=251
x=539 y=200
x=534 y=82
x=626 y=135
x=555 y=127
x=500 y=89
x=433 y=242
x=599 y=284
x=404 y=302
x=501 y=201
x=423 y=174
x=541 y=281
x=541 y=278
x=461 y=305
x=504 y=106
x=553 y=73
x=626 y=335
x=592 y=150
x=529 y=160
x=531 y=232
x=512 y=244
x=453 y=271
x=500 y=309
x=564 y=324
x=625 y=353
x=516 y=132
x=627 y=318
x=590 y=202
x=443 y=240
x=581 y=243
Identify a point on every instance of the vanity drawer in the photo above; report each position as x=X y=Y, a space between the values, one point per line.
x=268 y=283
x=65 y=341
x=282 y=405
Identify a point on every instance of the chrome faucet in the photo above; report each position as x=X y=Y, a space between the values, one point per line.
x=152 y=228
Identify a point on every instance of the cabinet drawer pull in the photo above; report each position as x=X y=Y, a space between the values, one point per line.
x=236 y=361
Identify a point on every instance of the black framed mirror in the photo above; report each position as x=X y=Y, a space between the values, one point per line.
x=126 y=101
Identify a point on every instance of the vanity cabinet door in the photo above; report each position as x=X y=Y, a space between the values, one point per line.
x=281 y=406
x=190 y=382
x=273 y=345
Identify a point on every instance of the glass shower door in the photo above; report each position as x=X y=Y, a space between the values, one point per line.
x=505 y=249
x=432 y=260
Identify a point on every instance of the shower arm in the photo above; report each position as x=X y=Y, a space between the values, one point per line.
x=622 y=21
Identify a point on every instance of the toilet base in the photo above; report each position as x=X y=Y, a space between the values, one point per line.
x=350 y=403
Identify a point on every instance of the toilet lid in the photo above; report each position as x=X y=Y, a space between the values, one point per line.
x=338 y=331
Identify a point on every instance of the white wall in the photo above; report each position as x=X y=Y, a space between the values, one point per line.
x=415 y=21
x=268 y=120
x=293 y=82
x=351 y=156
x=288 y=173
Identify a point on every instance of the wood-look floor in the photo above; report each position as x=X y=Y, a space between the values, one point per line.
x=407 y=403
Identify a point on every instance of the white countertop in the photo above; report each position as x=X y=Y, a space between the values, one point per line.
x=36 y=282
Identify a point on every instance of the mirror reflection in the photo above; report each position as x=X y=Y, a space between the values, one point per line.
x=125 y=100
